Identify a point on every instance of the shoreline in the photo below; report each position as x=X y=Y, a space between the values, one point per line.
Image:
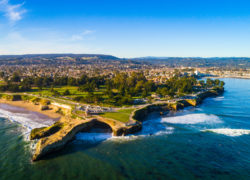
x=33 y=108
x=55 y=137
x=233 y=77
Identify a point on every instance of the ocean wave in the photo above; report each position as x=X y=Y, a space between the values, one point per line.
x=192 y=119
x=93 y=137
x=29 y=121
x=219 y=98
x=147 y=131
x=144 y=133
x=229 y=132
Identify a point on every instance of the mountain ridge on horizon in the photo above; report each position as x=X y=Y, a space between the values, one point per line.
x=69 y=58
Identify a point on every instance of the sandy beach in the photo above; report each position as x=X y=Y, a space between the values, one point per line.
x=27 y=107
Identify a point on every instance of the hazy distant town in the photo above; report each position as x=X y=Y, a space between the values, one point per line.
x=156 y=69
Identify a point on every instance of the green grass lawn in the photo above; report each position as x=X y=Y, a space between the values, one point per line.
x=46 y=92
x=2 y=82
x=121 y=115
x=72 y=89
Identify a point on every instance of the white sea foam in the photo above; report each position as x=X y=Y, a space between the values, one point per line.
x=29 y=121
x=220 y=98
x=150 y=128
x=192 y=119
x=99 y=137
x=93 y=137
x=229 y=132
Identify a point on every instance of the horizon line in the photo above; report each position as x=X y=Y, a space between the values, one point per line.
x=204 y=57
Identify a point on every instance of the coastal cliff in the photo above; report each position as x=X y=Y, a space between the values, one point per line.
x=141 y=114
x=69 y=128
x=55 y=137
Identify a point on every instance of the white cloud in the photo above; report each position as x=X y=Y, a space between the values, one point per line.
x=18 y=43
x=12 y=12
x=79 y=37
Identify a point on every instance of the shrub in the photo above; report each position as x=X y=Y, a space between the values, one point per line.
x=16 y=98
x=44 y=107
x=35 y=100
x=45 y=102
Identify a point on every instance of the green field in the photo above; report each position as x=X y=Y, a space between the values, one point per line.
x=72 y=89
x=121 y=115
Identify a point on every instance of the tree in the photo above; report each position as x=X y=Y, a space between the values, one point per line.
x=66 y=92
x=55 y=93
x=222 y=83
x=2 y=74
x=15 y=77
x=217 y=82
x=144 y=93
x=209 y=82
x=39 y=82
x=202 y=83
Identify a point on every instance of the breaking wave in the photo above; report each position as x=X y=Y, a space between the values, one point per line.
x=220 y=98
x=27 y=120
x=192 y=119
x=229 y=132
x=151 y=127
x=93 y=137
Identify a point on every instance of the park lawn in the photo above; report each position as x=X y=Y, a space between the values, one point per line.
x=2 y=82
x=72 y=89
x=121 y=115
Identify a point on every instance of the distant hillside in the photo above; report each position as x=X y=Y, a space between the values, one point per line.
x=238 y=62
x=46 y=59
x=101 y=56
x=68 y=59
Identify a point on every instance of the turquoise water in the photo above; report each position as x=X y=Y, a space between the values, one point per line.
x=211 y=141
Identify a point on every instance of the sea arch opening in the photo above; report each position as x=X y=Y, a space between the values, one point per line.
x=96 y=132
x=100 y=127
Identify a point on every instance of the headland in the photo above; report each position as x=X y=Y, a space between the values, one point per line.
x=55 y=137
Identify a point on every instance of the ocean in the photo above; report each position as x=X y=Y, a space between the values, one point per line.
x=211 y=141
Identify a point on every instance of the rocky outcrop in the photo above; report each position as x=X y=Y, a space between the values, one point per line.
x=39 y=133
x=55 y=137
x=140 y=114
x=58 y=140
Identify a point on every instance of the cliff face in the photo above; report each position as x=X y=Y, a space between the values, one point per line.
x=39 y=133
x=140 y=114
x=55 y=140
x=210 y=93
x=58 y=140
x=55 y=137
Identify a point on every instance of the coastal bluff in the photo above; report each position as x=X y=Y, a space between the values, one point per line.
x=69 y=128
x=55 y=137
x=141 y=113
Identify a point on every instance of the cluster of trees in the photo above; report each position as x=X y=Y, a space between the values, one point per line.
x=135 y=85
x=120 y=89
x=177 y=85
x=85 y=83
x=15 y=84
x=67 y=81
x=185 y=85
x=14 y=87
x=212 y=83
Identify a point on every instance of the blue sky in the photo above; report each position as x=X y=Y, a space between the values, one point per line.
x=126 y=28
